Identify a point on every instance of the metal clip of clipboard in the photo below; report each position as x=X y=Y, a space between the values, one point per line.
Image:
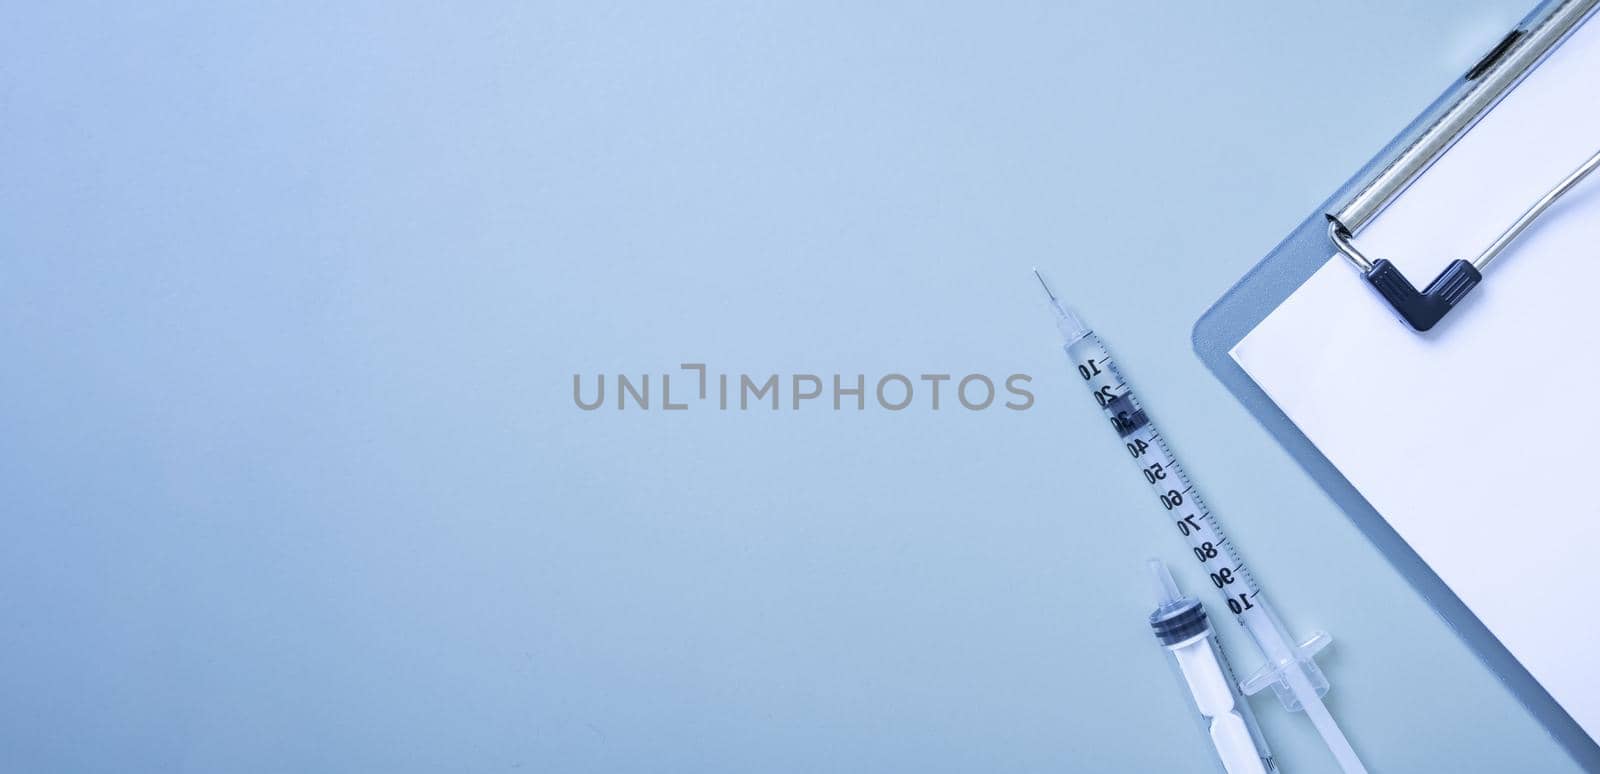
x=1480 y=90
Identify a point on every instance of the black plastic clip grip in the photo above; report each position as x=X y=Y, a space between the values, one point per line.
x=1420 y=309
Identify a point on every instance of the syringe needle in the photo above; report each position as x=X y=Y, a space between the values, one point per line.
x=1072 y=329
x=1043 y=285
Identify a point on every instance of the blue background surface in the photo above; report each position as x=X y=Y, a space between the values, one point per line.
x=292 y=300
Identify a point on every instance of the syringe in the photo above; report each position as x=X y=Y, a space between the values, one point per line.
x=1290 y=669
x=1181 y=625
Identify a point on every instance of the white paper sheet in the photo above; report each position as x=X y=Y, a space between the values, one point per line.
x=1478 y=441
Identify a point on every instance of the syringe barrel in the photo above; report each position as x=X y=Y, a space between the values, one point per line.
x=1169 y=484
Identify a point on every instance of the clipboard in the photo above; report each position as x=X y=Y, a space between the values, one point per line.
x=1308 y=250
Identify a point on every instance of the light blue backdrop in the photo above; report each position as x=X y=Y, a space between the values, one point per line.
x=292 y=479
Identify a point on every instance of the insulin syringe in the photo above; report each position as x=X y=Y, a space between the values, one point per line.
x=1290 y=667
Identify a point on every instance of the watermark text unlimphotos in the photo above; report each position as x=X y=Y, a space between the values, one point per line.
x=696 y=387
